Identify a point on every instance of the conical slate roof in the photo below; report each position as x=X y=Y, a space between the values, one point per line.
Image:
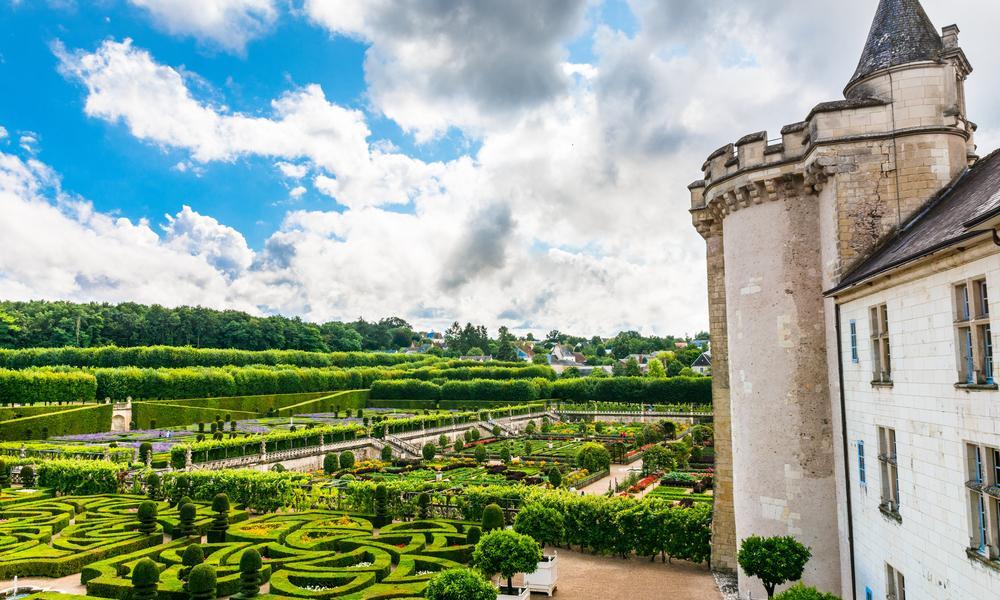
x=901 y=33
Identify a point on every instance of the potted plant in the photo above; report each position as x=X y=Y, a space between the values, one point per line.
x=545 y=526
x=505 y=553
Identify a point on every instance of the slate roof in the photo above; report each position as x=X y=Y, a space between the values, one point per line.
x=948 y=218
x=901 y=33
x=703 y=360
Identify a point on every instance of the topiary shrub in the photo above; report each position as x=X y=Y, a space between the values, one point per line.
x=495 y=431
x=543 y=524
x=443 y=441
x=201 y=582
x=473 y=536
x=147 y=517
x=555 y=477
x=492 y=518
x=773 y=560
x=387 y=453
x=346 y=460
x=192 y=556
x=220 y=522
x=27 y=476
x=250 y=577
x=382 y=517
x=4 y=474
x=459 y=584
x=459 y=445
x=506 y=553
x=423 y=505
x=188 y=514
x=801 y=592
x=153 y=486
x=505 y=455
x=428 y=451
x=593 y=457
x=330 y=464
x=145 y=577
x=480 y=454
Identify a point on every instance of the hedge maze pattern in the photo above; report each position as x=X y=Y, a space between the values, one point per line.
x=310 y=554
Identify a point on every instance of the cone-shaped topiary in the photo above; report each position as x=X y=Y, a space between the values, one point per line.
x=4 y=474
x=201 y=582
x=423 y=505
x=492 y=518
x=250 y=565
x=220 y=523
x=145 y=451
x=188 y=513
x=381 y=506
x=147 y=517
x=330 y=464
x=27 y=476
x=192 y=557
x=473 y=535
x=145 y=576
x=153 y=486
x=387 y=453
x=555 y=477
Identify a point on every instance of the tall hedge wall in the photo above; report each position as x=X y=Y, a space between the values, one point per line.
x=44 y=385
x=94 y=418
x=179 y=415
x=351 y=399
x=258 y=403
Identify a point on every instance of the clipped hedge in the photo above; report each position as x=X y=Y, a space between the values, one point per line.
x=351 y=399
x=647 y=390
x=81 y=476
x=250 y=445
x=261 y=491
x=33 y=386
x=175 y=415
x=93 y=418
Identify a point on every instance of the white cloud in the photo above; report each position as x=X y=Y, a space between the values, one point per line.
x=292 y=171
x=229 y=24
x=297 y=191
x=222 y=247
x=3 y=132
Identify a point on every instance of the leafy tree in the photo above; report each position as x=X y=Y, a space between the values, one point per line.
x=330 y=463
x=459 y=445
x=674 y=368
x=506 y=553
x=543 y=524
x=459 y=584
x=593 y=457
x=632 y=368
x=475 y=352
x=443 y=441
x=570 y=373
x=505 y=454
x=346 y=459
x=658 y=459
x=202 y=582
x=386 y=453
x=220 y=522
x=492 y=518
x=555 y=477
x=146 y=450
x=428 y=451
x=472 y=535
x=530 y=428
x=145 y=577
x=147 y=517
x=539 y=359
x=481 y=454
x=773 y=560
x=187 y=515
x=528 y=448
x=153 y=485
x=801 y=592
x=250 y=576
x=495 y=431
x=656 y=369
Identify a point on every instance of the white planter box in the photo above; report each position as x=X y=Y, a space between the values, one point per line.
x=522 y=594
x=544 y=578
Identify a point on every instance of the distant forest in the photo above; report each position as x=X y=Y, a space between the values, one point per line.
x=40 y=323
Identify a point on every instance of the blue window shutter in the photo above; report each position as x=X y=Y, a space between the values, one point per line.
x=868 y=594
x=862 y=475
x=854 y=341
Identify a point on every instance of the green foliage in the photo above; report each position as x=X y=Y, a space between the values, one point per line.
x=28 y=476
x=506 y=456
x=147 y=517
x=443 y=441
x=153 y=487
x=386 y=453
x=257 y=490
x=250 y=576
x=481 y=454
x=192 y=557
x=593 y=457
x=555 y=476
x=202 y=582
x=423 y=505
x=658 y=459
x=459 y=584
x=220 y=522
x=506 y=553
x=188 y=514
x=145 y=577
x=801 y=592
x=346 y=459
x=473 y=535
x=330 y=463
x=81 y=476
x=459 y=445
x=773 y=560
x=656 y=369
x=247 y=446
x=145 y=452
x=492 y=518
x=543 y=524
x=57 y=420
x=428 y=451
x=30 y=386
x=382 y=516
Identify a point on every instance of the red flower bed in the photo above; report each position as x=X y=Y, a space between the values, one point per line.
x=643 y=483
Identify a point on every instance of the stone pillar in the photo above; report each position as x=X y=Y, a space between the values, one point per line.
x=187 y=458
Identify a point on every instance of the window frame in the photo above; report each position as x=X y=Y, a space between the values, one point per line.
x=862 y=466
x=878 y=317
x=982 y=476
x=853 y=329
x=889 y=471
x=973 y=333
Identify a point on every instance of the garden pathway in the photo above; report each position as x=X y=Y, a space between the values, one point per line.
x=619 y=472
x=589 y=577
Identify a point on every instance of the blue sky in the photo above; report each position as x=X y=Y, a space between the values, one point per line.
x=513 y=163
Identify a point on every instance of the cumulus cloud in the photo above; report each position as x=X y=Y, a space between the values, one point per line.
x=221 y=246
x=228 y=24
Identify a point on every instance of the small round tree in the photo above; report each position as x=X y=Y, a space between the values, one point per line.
x=459 y=584
x=153 y=485
x=473 y=535
x=423 y=505
x=530 y=428
x=27 y=476
x=505 y=454
x=187 y=515
x=201 y=582
x=4 y=474
x=381 y=506
x=555 y=477
x=250 y=577
x=443 y=442
x=459 y=445
x=492 y=518
x=346 y=459
x=481 y=454
x=145 y=577
x=387 y=453
x=543 y=524
x=192 y=557
x=506 y=553
x=145 y=452
x=495 y=431
x=801 y=592
x=330 y=464
x=220 y=522
x=593 y=457
x=428 y=451
x=773 y=560
x=147 y=517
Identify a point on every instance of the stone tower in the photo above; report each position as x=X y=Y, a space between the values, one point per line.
x=783 y=219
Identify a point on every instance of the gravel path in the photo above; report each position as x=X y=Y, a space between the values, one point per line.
x=619 y=472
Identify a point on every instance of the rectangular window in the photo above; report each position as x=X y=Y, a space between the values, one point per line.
x=881 y=355
x=982 y=472
x=888 y=468
x=862 y=476
x=894 y=583
x=973 y=337
x=854 y=341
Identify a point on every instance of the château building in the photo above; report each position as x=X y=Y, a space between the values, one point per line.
x=849 y=271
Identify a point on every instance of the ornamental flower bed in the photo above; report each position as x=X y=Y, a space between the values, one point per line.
x=642 y=484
